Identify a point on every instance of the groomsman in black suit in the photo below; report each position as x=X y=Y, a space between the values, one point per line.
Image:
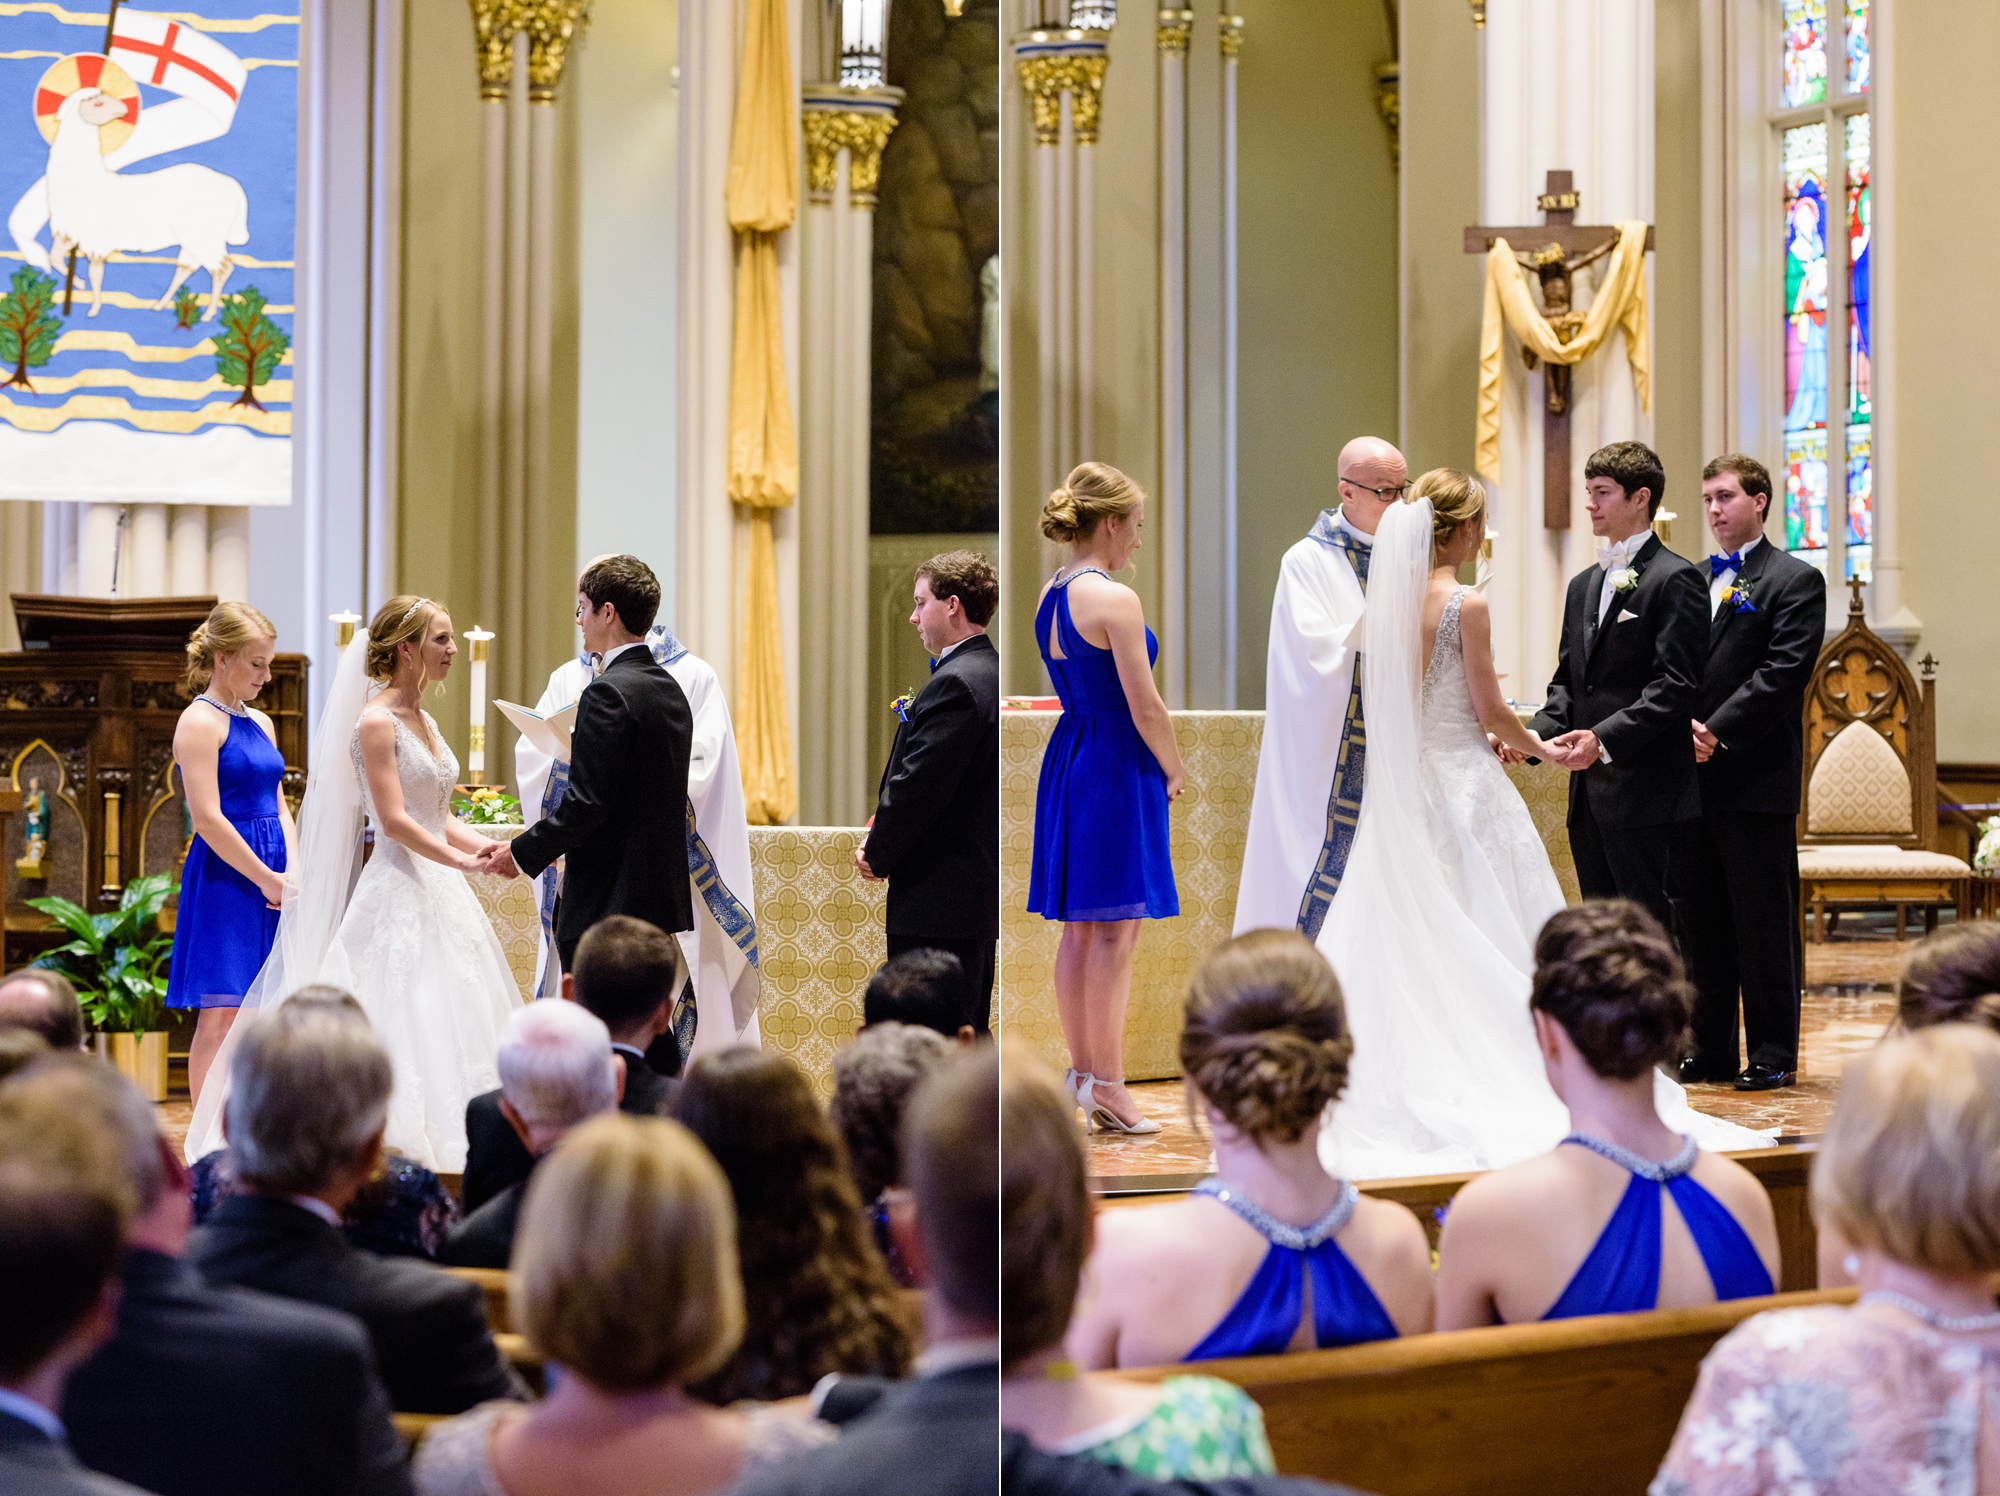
x=1768 y=621
x=935 y=834
x=623 y=824
x=1634 y=635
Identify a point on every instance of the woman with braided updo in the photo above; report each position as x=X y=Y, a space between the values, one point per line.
x=234 y=875
x=1231 y=1270
x=1626 y=1213
x=1102 y=861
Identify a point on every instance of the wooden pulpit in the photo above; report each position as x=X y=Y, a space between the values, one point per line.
x=87 y=716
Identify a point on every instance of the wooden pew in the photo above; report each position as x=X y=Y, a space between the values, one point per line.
x=493 y=1283
x=411 y=1428
x=1580 y=1405
x=1785 y=1173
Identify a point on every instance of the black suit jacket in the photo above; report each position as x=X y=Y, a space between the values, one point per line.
x=929 y=1436
x=1633 y=683
x=429 y=1328
x=1760 y=662
x=485 y=1238
x=936 y=836
x=495 y=1156
x=33 y=1464
x=212 y=1391
x=623 y=822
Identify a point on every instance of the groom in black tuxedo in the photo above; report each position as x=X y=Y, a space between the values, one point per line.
x=1769 y=619
x=935 y=834
x=1634 y=636
x=623 y=824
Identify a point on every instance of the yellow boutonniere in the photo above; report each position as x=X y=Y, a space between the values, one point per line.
x=901 y=706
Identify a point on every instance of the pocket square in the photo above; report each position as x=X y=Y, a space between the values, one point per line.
x=1627 y=615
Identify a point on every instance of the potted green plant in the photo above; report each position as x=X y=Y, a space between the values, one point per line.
x=118 y=964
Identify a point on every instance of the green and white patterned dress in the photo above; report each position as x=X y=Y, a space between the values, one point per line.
x=1201 y=1428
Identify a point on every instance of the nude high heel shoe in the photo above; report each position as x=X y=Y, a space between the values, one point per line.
x=1100 y=1115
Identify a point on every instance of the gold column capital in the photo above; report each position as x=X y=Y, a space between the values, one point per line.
x=495 y=24
x=1173 y=29
x=1077 y=70
x=553 y=27
x=858 y=121
x=1232 y=34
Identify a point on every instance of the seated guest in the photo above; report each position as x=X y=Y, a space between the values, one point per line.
x=1586 y=1229
x=308 y=1097
x=557 y=1071
x=873 y=1079
x=627 y=973
x=626 y=1278
x=205 y=1391
x=933 y=1435
x=44 y=1002
x=1893 y=1394
x=62 y=1231
x=1952 y=976
x=1264 y=1046
x=404 y=1211
x=924 y=987
x=19 y=1048
x=819 y=1297
x=1182 y=1427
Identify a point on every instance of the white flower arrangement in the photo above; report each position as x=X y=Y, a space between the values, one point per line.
x=1625 y=579
x=1987 y=856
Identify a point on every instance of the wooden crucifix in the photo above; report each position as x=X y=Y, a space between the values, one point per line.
x=1555 y=250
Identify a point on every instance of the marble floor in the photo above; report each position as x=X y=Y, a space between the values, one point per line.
x=1849 y=1002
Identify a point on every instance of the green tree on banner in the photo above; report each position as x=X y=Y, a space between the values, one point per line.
x=186 y=306
x=28 y=324
x=248 y=351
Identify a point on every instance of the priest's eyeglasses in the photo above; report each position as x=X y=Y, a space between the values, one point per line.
x=1392 y=495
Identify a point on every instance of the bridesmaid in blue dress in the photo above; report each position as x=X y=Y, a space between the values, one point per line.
x=234 y=876
x=1271 y=1253
x=1102 y=860
x=1625 y=1214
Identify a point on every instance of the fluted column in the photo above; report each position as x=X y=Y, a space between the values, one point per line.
x=1172 y=33
x=145 y=573
x=187 y=550
x=843 y=127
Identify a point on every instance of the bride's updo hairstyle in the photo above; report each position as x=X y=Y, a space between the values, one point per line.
x=401 y=620
x=227 y=629
x=1607 y=973
x=1093 y=493
x=1264 y=1037
x=1456 y=498
x=1953 y=976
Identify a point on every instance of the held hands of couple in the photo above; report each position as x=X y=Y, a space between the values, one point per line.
x=496 y=858
x=1575 y=751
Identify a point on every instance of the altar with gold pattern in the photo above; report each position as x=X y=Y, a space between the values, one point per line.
x=1208 y=825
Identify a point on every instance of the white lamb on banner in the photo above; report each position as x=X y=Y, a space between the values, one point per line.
x=97 y=211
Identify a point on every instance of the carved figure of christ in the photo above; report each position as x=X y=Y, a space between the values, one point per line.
x=1563 y=248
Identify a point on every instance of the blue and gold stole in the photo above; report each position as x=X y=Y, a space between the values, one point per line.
x=1343 y=806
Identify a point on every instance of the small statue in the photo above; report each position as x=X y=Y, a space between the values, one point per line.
x=35 y=831
x=1554 y=269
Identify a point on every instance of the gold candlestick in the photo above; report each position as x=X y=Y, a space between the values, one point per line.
x=476 y=739
x=344 y=625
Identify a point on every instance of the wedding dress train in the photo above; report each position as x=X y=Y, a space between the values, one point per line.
x=1432 y=932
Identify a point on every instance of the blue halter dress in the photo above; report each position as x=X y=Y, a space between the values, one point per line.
x=1622 y=1272
x=1264 y=1319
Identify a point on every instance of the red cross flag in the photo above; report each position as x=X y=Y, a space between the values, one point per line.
x=169 y=54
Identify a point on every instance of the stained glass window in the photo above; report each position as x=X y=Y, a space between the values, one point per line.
x=1857 y=46
x=1860 y=465
x=1805 y=52
x=1805 y=162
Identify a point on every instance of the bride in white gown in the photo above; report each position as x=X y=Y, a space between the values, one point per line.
x=404 y=934
x=1433 y=930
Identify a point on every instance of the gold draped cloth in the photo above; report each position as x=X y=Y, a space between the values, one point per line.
x=762 y=196
x=1620 y=303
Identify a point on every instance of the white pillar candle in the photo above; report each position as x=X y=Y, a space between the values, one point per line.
x=475 y=765
x=345 y=623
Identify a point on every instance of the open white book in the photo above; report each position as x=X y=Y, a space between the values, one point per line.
x=549 y=734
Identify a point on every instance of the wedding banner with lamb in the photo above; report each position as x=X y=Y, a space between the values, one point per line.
x=147 y=170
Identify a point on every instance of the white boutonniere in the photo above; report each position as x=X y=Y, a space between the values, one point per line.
x=1625 y=579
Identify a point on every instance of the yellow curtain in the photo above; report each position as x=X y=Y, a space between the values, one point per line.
x=1620 y=303
x=762 y=196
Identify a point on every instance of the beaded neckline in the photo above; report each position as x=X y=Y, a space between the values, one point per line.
x=234 y=711
x=1632 y=1163
x=1059 y=580
x=1297 y=1238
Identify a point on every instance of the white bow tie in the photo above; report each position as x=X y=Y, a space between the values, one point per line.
x=1621 y=554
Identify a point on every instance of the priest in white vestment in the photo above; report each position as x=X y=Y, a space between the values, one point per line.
x=721 y=950
x=1311 y=767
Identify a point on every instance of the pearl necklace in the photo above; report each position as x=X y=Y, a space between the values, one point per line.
x=1916 y=1309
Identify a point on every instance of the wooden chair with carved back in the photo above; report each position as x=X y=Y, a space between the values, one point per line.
x=1868 y=812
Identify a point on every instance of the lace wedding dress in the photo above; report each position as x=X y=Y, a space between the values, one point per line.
x=420 y=956
x=1432 y=933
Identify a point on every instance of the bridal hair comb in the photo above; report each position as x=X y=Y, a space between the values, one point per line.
x=411 y=609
